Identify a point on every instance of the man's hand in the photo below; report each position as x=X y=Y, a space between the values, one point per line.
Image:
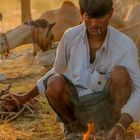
x=12 y=102
x=118 y=132
x=15 y=100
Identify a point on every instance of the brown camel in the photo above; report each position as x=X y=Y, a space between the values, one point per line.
x=133 y=32
x=133 y=14
x=65 y=17
x=117 y=22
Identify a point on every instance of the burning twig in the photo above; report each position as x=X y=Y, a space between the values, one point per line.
x=87 y=135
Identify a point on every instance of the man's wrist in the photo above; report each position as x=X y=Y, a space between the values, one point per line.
x=122 y=127
x=125 y=120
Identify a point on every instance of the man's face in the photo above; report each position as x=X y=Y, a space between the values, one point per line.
x=97 y=26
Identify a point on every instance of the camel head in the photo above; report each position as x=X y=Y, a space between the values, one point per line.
x=42 y=34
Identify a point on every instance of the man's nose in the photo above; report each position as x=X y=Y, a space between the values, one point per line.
x=95 y=21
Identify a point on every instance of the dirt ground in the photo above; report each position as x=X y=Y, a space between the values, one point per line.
x=23 y=72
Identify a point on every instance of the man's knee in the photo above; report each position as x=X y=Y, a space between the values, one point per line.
x=55 y=86
x=119 y=86
x=119 y=74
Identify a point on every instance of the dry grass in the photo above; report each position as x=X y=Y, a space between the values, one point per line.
x=42 y=127
x=9 y=133
x=23 y=78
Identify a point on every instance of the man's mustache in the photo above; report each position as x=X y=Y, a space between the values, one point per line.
x=96 y=28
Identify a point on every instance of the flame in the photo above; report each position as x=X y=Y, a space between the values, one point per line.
x=86 y=135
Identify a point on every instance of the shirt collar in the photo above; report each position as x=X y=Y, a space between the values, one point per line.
x=106 y=41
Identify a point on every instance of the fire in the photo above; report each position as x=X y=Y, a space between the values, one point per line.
x=86 y=135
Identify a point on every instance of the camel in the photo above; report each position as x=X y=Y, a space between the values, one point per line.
x=133 y=15
x=65 y=17
x=117 y=22
x=119 y=9
x=38 y=32
x=133 y=32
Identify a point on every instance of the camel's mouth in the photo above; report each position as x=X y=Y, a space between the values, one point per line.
x=51 y=45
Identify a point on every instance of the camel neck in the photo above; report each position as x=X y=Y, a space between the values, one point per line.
x=18 y=36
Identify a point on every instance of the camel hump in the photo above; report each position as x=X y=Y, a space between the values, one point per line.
x=65 y=17
x=66 y=2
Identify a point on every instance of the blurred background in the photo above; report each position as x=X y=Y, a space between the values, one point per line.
x=23 y=72
x=11 y=10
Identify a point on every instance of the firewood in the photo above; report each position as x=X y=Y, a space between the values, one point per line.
x=10 y=113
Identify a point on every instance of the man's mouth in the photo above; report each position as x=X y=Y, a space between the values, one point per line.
x=95 y=31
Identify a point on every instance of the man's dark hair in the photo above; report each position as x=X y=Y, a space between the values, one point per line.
x=95 y=8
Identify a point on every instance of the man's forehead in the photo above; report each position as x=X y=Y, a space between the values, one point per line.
x=95 y=15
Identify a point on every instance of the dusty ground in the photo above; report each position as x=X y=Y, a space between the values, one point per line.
x=23 y=72
x=23 y=76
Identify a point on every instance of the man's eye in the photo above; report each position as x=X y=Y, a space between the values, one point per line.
x=88 y=17
x=101 y=16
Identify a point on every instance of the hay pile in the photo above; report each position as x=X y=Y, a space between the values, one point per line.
x=9 y=133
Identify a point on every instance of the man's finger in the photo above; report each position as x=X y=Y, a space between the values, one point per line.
x=120 y=137
x=110 y=137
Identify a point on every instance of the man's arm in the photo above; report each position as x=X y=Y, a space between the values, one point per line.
x=22 y=99
x=30 y=95
x=118 y=132
x=130 y=111
x=59 y=67
x=126 y=119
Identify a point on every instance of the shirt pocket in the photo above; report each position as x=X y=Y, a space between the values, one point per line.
x=98 y=81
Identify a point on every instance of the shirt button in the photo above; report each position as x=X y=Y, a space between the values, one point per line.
x=99 y=82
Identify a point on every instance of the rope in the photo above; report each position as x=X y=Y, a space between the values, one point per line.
x=4 y=45
x=35 y=33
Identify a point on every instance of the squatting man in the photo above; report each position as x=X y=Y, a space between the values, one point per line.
x=95 y=77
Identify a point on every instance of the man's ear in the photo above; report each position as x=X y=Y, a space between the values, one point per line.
x=81 y=13
x=111 y=12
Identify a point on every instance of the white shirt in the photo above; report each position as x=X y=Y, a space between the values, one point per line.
x=117 y=49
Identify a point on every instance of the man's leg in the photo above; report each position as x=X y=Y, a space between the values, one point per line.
x=119 y=87
x=59 y=95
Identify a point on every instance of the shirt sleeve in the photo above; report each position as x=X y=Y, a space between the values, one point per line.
x=40 y=82
x=59 y=64
x=61 y=55
x=130 y=61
